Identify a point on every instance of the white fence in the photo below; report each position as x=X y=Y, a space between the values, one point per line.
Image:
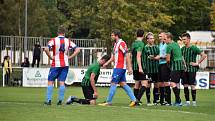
x=13 y=46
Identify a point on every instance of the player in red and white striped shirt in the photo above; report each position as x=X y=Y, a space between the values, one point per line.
x=121 y=59
x=60 y=46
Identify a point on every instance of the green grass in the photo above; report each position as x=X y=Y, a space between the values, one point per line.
x=26 y=104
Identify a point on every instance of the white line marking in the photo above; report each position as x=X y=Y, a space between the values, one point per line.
x=132 y=108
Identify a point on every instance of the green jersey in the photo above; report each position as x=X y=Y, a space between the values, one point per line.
x=190 y=54
x=151 y=64
x=176 y=61
x=94 y=68
x=137 y=46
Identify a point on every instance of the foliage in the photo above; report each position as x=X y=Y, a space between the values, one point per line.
x=96 y=18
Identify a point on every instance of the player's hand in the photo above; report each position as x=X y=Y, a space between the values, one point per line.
x=70 y=57
x=129 y=71
x=105 y=65
x=151 y=57
x=141 y=70
x=51 y=58
x=95 y=95
x=194 y=64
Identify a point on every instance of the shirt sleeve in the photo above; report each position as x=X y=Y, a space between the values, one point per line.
x=72 y=45
x=123 y=47
x=95 y=70
x=140 y=48
x=197 y=50
x=168 y=49
x=51 y=43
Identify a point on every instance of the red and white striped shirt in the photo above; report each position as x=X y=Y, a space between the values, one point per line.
x=120 y=50
x=60 y=46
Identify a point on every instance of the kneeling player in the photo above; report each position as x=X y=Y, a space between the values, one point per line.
x=88 y=83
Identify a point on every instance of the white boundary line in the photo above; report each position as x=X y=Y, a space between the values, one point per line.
x=124 y=107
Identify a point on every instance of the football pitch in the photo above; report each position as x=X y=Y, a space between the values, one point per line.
x=26 y=104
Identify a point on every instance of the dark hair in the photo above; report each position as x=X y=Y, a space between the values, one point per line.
x=149 y=34
x=105 y=57
x=61 y=30
x=186 y=35
x=140 y=33
x=117 y=32
x=169 y=35
x=5 y=58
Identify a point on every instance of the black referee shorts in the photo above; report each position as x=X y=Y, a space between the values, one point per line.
x=88 y=92
x=189 y=78
x=153 y=77
x=176 y=76
x=137 y=76
x=163 y=73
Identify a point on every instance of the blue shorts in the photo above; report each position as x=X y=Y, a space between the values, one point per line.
x=118 y=75
x=59 y=73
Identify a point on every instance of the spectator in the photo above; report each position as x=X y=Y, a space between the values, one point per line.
x=25 y=63
x=7 y=69
x=36 y=54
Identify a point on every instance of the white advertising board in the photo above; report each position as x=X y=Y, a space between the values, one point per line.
x=37 y=77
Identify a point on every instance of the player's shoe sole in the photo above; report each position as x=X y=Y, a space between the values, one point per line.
x=104 y=104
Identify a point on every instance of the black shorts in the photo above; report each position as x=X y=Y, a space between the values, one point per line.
x=153 y=77
x=88 y=92
x=163 y=73
x=137 y=76
x=189 y=78
x=176 y=76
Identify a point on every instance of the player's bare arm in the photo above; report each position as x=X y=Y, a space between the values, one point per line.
x=92 y=82
x=48 y=53
x=203 y=56
x=77 y=50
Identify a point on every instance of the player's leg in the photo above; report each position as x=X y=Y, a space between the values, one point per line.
x=62 y=77
x=166 y=78
x=137 y=83
x=136 y=88
x=167 y=92
x=88 y=94
x=113 y=86
x=175 y=79
x=192 y=78
x=53 y=74
x=185 y=83
x=155 y=89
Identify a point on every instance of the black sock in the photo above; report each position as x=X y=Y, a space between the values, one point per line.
x=136 y=91
x=177 y=96
x=155 y=94
x=161 y=95
x=193 y=92
x=82 y=101
x=186 y=94
x=148 y=95
x=141 y=92
x=168 y=94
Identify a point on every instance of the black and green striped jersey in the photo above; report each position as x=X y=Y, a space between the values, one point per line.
x=94 y=68
x=136 y=46
x=190 y=54
x=176 y=61
x=151 y=66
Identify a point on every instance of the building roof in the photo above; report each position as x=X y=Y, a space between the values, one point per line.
x=202 y=36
